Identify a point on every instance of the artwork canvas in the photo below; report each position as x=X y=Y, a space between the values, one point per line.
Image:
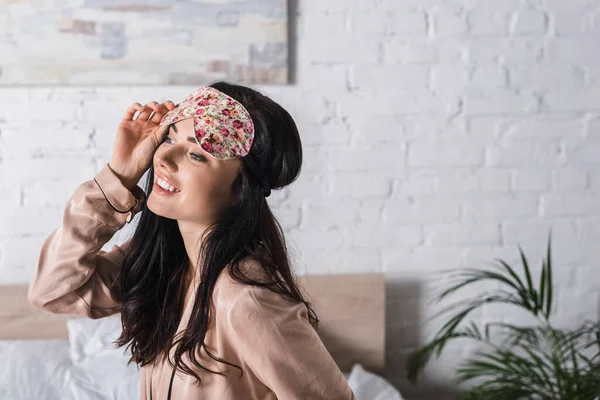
x=170 y=42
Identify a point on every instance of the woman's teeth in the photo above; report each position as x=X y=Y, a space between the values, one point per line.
x=163 y=184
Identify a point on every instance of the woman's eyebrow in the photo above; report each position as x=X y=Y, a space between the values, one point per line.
x=190 y=139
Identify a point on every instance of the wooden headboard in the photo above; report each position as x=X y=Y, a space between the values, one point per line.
x=351 y=310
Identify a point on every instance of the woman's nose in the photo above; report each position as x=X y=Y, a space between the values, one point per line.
x=169 y=158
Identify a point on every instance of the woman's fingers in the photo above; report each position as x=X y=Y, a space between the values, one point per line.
x=159 y=134
x=151 y=111
x=131 y=110
x=147 y=111
x=163 y=109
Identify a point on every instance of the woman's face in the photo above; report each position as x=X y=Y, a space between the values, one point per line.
x=203 y=184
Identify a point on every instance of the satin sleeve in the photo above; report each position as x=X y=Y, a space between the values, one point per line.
x=274 y=338
x=73 y=274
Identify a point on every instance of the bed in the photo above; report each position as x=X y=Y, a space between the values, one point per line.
x=62 y=356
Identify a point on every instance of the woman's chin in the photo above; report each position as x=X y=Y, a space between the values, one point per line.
x=157 y=207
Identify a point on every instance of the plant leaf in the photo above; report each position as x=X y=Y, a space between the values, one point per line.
x=530 y=287
x=549 y=277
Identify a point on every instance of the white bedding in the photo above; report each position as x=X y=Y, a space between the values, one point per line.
x=87 y=367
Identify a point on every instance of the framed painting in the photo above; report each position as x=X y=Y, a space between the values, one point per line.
x=158 y=42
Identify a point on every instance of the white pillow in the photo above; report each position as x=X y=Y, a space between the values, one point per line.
x=94 y=337
x=35 y=369
x=100 y=370
x=369 y=386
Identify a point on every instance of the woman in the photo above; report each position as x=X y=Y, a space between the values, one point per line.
x=208 y=301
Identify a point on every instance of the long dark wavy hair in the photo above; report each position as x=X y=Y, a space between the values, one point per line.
x=156 y=262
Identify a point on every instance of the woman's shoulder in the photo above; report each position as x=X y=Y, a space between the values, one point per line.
x=229 y=292
x=228 y=289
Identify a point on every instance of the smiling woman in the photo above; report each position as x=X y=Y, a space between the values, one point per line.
x=208 y=301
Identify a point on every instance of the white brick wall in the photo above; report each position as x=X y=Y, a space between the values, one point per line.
x=437 y=133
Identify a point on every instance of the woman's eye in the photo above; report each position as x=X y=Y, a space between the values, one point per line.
x=195 y=156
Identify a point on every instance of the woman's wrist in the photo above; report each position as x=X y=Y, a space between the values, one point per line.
x=123 y=176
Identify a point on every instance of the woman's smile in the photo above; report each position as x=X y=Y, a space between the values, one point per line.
x=161 y=182
x=162 y=191
x=163 y=186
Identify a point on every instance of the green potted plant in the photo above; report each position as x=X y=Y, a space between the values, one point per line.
x=512 y=361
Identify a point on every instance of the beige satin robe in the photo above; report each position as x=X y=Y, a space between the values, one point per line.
x=268 y=336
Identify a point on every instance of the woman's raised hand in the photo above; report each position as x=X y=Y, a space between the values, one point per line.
x=137 y=140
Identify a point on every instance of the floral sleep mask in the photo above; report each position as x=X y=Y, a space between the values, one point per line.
x=222 y=126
